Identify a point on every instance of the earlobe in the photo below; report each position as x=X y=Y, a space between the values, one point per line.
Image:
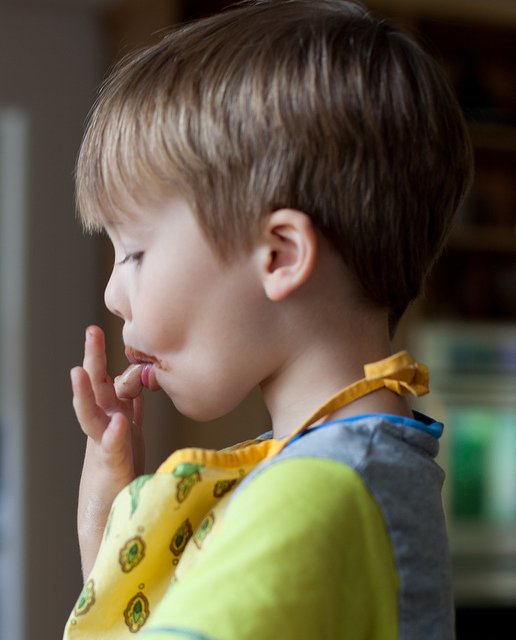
x=290 y=243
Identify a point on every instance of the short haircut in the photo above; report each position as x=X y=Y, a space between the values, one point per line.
x=314 y=105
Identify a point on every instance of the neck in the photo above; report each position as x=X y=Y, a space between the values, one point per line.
x=318 y=368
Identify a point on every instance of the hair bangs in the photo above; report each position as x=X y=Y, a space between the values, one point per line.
x=130 y=156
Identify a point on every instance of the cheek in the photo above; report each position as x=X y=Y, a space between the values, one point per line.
x=201 y=391
x=149 y=311
x=158 y=326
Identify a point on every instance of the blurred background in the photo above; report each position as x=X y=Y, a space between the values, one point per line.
x=53 y=54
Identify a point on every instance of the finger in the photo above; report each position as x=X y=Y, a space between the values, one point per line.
x=128 y=385
x=138 y=438
x=91 y=417
x=138 y=410
x=95 y=364
x=138 y=445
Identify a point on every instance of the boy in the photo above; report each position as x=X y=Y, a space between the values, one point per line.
x=276 y=181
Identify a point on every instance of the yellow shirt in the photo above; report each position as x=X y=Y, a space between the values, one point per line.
x=176 y=562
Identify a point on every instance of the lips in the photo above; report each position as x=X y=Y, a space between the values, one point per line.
x=139 y=357
x=147 y=376
x=147 y=362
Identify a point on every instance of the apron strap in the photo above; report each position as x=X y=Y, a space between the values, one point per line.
x=398 y=373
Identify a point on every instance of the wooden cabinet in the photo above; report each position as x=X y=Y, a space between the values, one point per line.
x=135 y=23
x=465 y=328
x=476 y=44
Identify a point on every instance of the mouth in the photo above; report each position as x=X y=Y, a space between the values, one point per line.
x=139 y=357
x=148 y=362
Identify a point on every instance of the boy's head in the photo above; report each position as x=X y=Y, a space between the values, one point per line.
x=314 y=106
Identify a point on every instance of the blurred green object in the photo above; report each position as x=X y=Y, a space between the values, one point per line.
x=483 y=474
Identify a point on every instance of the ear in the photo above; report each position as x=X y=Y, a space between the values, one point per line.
x=289 y=251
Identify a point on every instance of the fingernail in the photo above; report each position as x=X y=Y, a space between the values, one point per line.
x=73 y=376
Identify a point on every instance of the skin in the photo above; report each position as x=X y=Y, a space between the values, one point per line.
x=110 y=415
x=286 y=316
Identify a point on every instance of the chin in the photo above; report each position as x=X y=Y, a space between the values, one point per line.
x=203 y=402
x=201 y=413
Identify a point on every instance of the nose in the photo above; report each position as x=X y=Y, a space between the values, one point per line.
x=115 y=296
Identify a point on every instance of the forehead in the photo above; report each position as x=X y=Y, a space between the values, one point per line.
x=135 y=211
x=138 y=217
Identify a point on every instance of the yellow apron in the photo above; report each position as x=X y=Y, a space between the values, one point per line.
x=159 y=523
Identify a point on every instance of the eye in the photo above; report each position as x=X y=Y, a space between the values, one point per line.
x=135 y=257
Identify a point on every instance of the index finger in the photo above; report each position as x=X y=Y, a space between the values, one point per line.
x=95 y=364
x=91 y=417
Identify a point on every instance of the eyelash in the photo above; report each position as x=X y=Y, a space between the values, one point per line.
x=132 y=257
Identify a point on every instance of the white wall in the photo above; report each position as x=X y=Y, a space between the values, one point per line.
x=50 y=63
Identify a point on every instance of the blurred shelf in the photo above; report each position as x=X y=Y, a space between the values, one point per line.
x=485 y=587
x=484 y=563
x=483 y=239
x=495 y=12
x=472 y=540
x=494 y=137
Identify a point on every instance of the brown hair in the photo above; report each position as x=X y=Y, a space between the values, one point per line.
x=317 y=106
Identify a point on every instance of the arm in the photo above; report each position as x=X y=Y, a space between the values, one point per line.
x=302 y=552
x=110 y=415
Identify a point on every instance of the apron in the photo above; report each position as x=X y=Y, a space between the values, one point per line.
x=159 y=523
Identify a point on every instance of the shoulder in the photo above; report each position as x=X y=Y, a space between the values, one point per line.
x=372 y=448
x=317 y=518
x=382 y=460
x=308 y=489
x=369 y=476
x=354 y=439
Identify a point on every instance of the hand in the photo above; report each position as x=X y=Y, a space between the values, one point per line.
x=110 y=414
